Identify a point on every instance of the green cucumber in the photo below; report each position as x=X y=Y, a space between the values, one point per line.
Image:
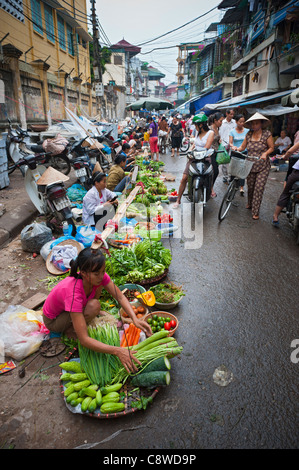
x=111 y=397
x=151 y=379
x=160 y=364
x=111 y=388
x=110 y=407
x=85 y=403
x=92 y=405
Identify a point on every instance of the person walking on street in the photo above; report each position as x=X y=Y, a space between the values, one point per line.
x=236 y=137
x=153 y=141
x=286 y=193
x=215 y=122
x=228 y=124
x=259 y=143
x=177 y=134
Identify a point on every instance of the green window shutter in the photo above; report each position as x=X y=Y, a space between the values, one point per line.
x=61 y=32
x=36 y=15
x=49 y=23
x=70 y=40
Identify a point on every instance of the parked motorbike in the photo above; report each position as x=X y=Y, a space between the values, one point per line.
x=50 y=199
x=200 y=180
x=292 y=210
x=82 y=163
x=162 y=139
x=18 y=144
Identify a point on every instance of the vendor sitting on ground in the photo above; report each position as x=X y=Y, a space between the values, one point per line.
x=74 y=302
x=117 y=180
x=97 y=202
x=127 y=151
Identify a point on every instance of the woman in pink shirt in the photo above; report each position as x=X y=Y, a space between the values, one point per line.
x=74 y=302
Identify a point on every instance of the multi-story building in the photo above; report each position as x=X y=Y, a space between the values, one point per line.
x=44 y=60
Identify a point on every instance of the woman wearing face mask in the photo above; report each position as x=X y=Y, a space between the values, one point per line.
x=203 y=140
x=74 y=302
x=259 y=143
x=98 y=201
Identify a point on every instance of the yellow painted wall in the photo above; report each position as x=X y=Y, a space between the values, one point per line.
x=23 y=36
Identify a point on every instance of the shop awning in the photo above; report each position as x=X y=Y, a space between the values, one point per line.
x=282 y=13
x=261 y=99
x=198 y=105
x=274 y=110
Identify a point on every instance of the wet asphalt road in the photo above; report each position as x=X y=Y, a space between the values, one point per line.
x=240 y=311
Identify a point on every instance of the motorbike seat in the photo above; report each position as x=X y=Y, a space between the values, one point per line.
x=36 y=148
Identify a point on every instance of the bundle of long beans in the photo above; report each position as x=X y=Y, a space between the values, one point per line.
x=100 y=368
x=155 y=346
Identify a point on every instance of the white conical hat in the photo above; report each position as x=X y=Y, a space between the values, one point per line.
x=257 y=117
x=51 y=176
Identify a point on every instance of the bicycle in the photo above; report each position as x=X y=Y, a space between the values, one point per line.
x=240 y=167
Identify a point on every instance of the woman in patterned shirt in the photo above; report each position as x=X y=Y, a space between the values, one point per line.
x=259 y=143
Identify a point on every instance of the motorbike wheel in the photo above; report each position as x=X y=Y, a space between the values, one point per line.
x=11 y=166
x=60 y=163
x=227 y=200
x=197 y=196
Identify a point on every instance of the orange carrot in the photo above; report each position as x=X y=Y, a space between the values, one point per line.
x=136 y=339
x=126 y=337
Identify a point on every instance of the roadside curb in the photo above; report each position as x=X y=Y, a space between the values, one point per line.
x=12 y=222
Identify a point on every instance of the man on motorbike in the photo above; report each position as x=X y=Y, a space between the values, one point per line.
x=203 y=140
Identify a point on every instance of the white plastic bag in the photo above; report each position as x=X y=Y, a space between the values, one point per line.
x=22 y=331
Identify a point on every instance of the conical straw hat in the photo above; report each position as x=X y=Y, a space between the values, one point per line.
x=257 y=117
x=51 y=176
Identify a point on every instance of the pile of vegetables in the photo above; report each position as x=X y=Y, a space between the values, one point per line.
x=154 y=347
x=144 y=260
x=159 y=323
x=100 y=368
x=166 y=293
x=131 y=336
x=79 y=390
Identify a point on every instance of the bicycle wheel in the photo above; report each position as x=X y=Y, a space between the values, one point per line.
x=60 y=163
x=227 y=200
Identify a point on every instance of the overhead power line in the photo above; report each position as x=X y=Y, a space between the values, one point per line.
x=179 y=27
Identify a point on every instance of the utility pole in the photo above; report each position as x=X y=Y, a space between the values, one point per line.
x=97 y=70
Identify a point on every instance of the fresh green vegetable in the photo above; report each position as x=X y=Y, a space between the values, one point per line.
x=79 y=385
x=111 y=388
x=167 y=292
x=110 y=407
x=100 y=368
x=160 y=364
x=142 y=403
x=89 y=392
x=151 y=379
x=69 y=390
x=78 y=377
x=71 y=366
x=92 y=405
x=72 y=396
x=85 y=403
x=111 y=397
x=99 y=397
x=66 y=376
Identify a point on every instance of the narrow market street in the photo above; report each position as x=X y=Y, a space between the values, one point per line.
x=240 y=311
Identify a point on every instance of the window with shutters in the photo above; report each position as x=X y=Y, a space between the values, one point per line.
x=70 y=40
x=118 y=60
x=36 y=15
x=61 y=32
x=49 y=23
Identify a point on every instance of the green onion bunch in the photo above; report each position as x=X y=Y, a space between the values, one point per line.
x=100 y=368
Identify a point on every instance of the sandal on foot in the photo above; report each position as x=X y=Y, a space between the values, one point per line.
x=213 y=195
x=275 y=223
x=255 y=217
